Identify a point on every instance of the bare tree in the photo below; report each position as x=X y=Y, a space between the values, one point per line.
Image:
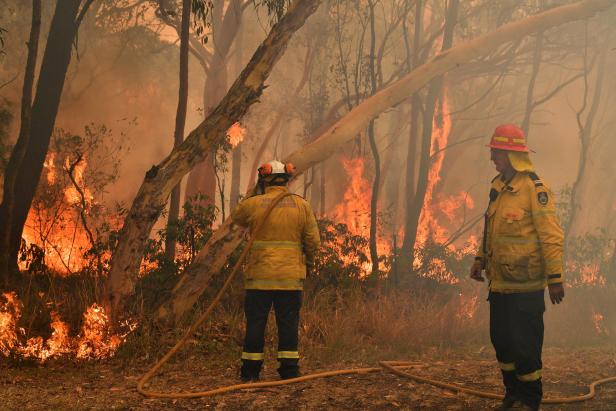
x=374 y=255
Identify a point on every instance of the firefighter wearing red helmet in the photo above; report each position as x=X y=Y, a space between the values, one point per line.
x=283 y=249
x=521 y=253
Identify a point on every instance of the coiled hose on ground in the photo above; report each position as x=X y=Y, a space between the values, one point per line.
x=395 y=367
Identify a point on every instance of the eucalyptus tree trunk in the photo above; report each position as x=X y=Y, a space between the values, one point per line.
x=160 y=179
x=228 y=237
x=585 y=134
x=531 y=83
x=374 y=200
x=178 y=135
x=8 y=263
x=236 y=170
x=405 y=259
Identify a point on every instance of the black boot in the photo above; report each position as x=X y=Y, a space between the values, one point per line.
x=510 y=382
x=250 y=370
x=530 y=393
x=289 y=368
x=507 y=404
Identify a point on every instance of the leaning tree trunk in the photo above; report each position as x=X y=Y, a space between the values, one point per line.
x=160 y=179
x=228 y=237
x=178 y=135
x=53 y=70
x=8 y=264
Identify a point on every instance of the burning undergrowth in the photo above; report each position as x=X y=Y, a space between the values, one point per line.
x=26 y=334
x=52 y=310
x=70 y=227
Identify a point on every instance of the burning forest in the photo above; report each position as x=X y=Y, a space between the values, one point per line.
x=446 y=151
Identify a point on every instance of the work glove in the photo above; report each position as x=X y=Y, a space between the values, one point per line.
x=476 y=269
x=557 y=292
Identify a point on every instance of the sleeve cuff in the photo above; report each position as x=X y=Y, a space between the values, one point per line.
x=555 y=278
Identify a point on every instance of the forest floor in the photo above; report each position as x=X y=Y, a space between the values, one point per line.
x=111 y=384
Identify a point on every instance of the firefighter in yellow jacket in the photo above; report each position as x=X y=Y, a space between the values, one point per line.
x=284 y=248
x=521 y=253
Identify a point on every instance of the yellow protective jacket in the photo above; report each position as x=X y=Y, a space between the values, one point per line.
x=523 y=248
x=285 y=244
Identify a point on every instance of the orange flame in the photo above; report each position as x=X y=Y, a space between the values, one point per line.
x=354 y=209
x=10 y=312
x=435 y=206
x=49 y=168
x=428 y=224
x=236 y=134
x=95 y=340
x=71 y=193
x=58 y=230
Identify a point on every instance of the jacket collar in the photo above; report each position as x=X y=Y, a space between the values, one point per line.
x=513 y=186
x=275 y=189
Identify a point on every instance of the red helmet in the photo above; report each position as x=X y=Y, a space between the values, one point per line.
x=510 y=138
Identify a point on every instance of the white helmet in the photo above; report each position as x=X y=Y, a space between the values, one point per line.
x=276 y=167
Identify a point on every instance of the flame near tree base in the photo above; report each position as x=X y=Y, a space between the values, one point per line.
x=95 y=339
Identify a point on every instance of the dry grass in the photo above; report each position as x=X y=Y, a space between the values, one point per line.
x=368 y=325
x=355 y=324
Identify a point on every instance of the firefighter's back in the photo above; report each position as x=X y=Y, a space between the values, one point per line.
x=277 y=257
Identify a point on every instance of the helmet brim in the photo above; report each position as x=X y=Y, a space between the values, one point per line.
x=510 y=148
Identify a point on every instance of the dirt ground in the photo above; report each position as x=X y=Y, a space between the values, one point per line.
x=111 y=385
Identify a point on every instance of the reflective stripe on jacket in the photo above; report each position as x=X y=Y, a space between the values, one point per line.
x=524 y=241
x=285 y=244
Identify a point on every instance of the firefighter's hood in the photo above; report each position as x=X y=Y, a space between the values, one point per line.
x=520 y=161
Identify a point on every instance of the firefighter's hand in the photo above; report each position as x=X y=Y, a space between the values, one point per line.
x=476 y=271
x=557 y=292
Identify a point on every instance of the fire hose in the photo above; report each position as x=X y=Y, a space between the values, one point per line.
x=395 y=367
